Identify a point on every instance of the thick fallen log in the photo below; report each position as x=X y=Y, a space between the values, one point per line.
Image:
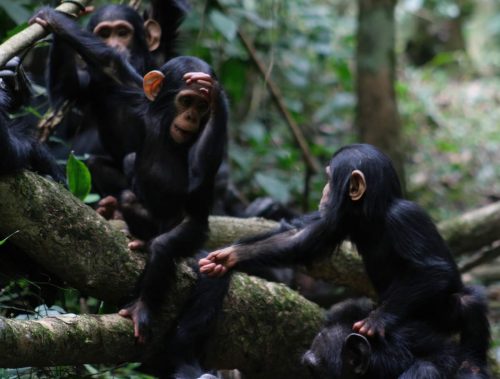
x=262 y=327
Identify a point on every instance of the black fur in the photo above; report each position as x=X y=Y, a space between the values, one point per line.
x=19 y=148
x=99 y=124
x=406 y=259
x=411 y=350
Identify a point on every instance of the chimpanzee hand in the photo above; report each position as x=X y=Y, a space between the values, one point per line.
x=218 y=262
x=205 y=82
x=374 y=324
x=141 y=317
x=44 y=17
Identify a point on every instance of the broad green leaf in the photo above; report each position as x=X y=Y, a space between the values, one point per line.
x=78 y=177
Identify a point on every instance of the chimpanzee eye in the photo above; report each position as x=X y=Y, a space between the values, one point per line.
x=123 y=32
x=186 y=101
x=104 y=33
x=202 y=107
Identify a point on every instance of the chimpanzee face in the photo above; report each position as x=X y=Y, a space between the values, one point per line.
x=191 y=109
x=118 y=34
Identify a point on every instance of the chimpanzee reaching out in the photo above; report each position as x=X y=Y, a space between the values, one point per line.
x=411 y=350
x=406 y=259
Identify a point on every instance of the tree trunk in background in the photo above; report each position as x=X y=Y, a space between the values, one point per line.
x=377 y=117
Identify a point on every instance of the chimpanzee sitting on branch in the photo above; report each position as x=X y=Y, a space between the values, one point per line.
x=406 y=259
x=178 y=150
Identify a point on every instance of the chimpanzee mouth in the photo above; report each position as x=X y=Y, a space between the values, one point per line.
x=183 y=132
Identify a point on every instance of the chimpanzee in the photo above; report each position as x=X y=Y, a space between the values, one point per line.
x=406 y=259
x=183 y=113
x=19 y=148
x=173 y=171
x=98 y=117
x=412 y=349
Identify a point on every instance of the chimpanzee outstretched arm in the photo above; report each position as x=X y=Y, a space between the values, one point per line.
x=94 y=51
x=280 y=248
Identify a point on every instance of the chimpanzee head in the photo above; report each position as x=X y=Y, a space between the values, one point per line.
x=123 y=29
x=362 y=179
x=185 y=108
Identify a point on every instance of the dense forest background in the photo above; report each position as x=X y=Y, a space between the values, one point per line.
x=447 y=55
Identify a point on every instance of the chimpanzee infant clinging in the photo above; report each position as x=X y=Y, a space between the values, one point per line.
x=406 y=259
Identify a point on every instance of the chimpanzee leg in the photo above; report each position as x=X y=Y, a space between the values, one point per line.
x=475 y=330
x=107 y=178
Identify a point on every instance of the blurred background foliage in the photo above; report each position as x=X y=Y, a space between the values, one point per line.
x=448 y=66
x=448 y=54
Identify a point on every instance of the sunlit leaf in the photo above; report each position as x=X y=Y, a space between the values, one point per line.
x=78 y=177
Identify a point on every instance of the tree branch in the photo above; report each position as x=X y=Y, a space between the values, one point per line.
x=262 y=326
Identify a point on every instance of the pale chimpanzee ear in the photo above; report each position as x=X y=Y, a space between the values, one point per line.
x=153 y=81
x=356 y=353
x=153 y=34
x=357 y=186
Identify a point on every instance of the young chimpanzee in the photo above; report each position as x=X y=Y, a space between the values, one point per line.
x=99 y=124
x=19 y=148
x=173 y=172
x=406 y=259
x=411 y=350
x=179 y=146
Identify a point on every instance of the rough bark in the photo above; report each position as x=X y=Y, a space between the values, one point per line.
x=377 y=117
x=472 y=230
x=71 y=240
x=257 y=318
x=263 y=324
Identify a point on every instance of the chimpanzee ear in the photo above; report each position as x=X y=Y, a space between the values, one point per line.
x=357 y=186
x=153 y=34
x=153 y=81
x=356 y=353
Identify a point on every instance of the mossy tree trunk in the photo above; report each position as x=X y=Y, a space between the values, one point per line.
x=264 y=328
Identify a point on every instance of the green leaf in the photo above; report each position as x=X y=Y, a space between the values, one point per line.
x=223 y=24
x=15 y=10
x=273 y=186
x=6 y=238
x=92 y=198
x=78 y=177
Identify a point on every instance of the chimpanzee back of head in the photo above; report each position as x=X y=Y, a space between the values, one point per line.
x=412 y=350
x=379 y=173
